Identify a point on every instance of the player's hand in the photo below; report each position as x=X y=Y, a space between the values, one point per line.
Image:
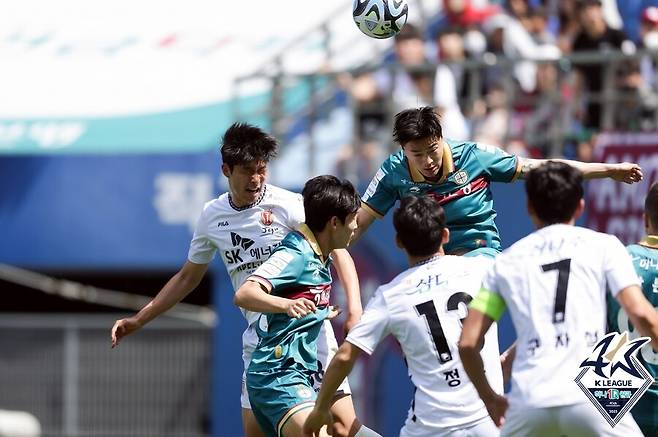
x=298 y=308
x=497 y=407
x=124 y=327
x=334 y=311
x=627 y=172
x=315 y=421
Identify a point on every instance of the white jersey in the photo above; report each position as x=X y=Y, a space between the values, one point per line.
x=554 y=284
x=245 y=237
x=423 y=308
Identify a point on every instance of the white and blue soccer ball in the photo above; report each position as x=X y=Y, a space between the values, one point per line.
x=380 y=18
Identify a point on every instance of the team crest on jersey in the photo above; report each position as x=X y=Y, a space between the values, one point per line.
x=266 y=217
x=612 y=377
x=461 y=177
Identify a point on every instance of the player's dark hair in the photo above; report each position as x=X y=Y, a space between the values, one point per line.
x=416 y=124
x=326 y=197
x=243 y=143
x=554 y=191
x=651 y=206
x=419 y=223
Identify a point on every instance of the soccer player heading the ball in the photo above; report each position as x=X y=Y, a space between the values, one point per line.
x=459 y=175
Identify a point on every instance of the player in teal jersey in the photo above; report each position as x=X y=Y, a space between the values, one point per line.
x=459 y=175
x=292 y=290
x=645 y=260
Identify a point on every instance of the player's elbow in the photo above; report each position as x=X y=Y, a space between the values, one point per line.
x=240 y=297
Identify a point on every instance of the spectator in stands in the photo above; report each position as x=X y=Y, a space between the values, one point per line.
x=649 y=41
x=569 y=25
x=538 y=22
x=549 y=119
x=494 y=127
x=636 y=103
x=409 y=86
x=464 y=14
x=595 y=36
x=451 y=84
x=517 y=43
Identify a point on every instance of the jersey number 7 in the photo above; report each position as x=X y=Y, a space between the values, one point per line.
x=563 y=267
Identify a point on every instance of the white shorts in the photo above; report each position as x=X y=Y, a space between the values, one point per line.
x=327 y=347
x=582 y=420
x=481 y=428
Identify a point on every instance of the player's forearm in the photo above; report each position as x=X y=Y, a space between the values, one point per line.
x=173 y=292
x=340 y=366
x=646 y=321
x=590 y=170
x=350 y=280
x=474 y=367
x=252 y=297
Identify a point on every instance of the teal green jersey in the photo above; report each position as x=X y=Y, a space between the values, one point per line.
x=645 y=261
x=463 y=190
x=295 y=269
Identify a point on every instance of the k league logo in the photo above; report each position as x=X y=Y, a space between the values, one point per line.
x=612 y=378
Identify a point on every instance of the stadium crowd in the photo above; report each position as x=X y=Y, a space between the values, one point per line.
x=538 y=78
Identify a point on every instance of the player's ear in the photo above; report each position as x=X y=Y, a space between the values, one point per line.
x=398 y=242
x=646 y=222
x=226 y=170
x=445 y=236
x=334 y=222
x=579 y=210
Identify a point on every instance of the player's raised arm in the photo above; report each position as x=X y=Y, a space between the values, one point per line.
x=175 y=290
x=626 y=172
x=348 y=277
x=364 y=219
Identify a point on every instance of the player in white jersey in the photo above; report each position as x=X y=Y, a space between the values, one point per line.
x=244 y=226
x=554 y=284
x=423 y=308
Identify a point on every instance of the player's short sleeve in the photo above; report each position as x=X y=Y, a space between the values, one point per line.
x=618 y=266
x=495 y=162
x=380 y=196
x=282 y=269
x=202 y=249
x=295 y=209
x=373 y=326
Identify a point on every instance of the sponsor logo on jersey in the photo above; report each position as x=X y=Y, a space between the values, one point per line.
x=222 y=223
x=266 y=217
x=612 y=378
x=233 y=256
x=475 y=185
x=243 y=242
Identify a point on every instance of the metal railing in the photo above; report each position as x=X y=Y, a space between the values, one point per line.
x=282 y=111
x=61 y=369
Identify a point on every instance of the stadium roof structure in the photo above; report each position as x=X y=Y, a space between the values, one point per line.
x=139 y=77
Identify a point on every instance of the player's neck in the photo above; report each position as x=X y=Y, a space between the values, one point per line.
x=324 y=241
x=415 y=261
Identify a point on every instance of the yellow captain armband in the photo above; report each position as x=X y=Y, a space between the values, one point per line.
x=488 y=303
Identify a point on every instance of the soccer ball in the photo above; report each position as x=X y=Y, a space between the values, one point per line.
x=380 y=18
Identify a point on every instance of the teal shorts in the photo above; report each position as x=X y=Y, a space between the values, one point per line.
x=275 y=397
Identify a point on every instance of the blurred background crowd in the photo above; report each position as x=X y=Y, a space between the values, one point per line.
x=538 y=78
